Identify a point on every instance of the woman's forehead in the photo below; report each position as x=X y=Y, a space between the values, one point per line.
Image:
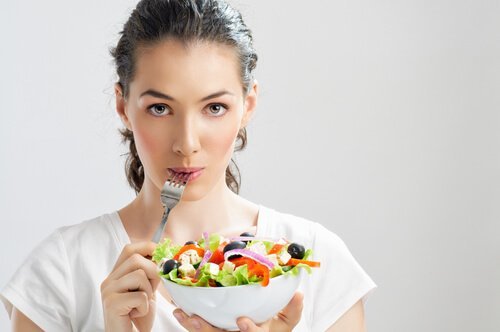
x=198 y=65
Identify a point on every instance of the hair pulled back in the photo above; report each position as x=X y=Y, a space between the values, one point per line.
x=153 y=21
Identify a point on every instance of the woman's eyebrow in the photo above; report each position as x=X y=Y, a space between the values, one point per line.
x=159 y=94
x=217 y=94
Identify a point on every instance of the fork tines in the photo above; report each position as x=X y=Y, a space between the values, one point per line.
x=178 y=180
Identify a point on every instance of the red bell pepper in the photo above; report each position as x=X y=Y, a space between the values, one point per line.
x=261 y=271
x=187 y=247
x=276 y=248
x=238 y=261
x=294 y=261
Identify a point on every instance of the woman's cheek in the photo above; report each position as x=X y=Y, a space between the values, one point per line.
x=147 y=145
x=222 y=143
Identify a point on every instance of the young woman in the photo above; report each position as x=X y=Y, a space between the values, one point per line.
x=185 y=93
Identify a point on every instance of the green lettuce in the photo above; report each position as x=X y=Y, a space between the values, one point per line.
x=213 y=242
x=165 y=250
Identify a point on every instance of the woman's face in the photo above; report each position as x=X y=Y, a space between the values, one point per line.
x=185 y=107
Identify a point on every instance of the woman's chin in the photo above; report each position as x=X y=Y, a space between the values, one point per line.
x=192 y=194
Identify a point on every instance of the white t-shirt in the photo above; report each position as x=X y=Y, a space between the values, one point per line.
x=58 y=286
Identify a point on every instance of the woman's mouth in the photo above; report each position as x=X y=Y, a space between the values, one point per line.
x=188 y=174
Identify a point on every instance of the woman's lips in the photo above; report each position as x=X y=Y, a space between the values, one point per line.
x=190 y=173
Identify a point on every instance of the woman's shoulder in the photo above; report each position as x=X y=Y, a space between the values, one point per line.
x=84 y=238
x=295 y=228
x=95 y=227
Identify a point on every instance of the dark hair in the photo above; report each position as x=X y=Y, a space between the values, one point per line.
x=153 y=21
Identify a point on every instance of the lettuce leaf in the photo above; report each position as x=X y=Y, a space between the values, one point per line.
x=213 y=242
x=307 y=254
x=165 y=250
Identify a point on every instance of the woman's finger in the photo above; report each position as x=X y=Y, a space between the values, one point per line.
x=123 y=304
x=145 y=323
x=245 y=324
x=194 y=323
x=134 y=281
x=142 y=248
x=137 y=262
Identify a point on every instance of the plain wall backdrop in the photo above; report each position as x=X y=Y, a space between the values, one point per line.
x=379 y=119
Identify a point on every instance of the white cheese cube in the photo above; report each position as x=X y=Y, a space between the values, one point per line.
x=259 y=248
x=282 y=241
x=189 y=257
x=187 y=270
x=273 y=258
x=284 y=257
x=212 y=268
x=228 y=266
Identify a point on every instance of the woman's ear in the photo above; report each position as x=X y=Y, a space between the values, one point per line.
x=250 y=104
x=120 y=106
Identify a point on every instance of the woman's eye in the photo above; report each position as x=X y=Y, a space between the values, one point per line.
x=158 y=109
x=217 y=109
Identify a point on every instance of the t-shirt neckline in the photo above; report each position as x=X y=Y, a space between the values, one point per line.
x=122 y=237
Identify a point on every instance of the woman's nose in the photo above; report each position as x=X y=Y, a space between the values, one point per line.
x=186 y=141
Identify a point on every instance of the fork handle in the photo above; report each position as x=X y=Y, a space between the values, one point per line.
x=161 y=228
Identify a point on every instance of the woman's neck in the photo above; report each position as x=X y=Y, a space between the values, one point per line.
x=219 y=211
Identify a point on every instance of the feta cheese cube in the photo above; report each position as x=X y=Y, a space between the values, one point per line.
x=284 y=257
x=187 y=270
x=273 y=258
x=189 y=257
x=259 y=248
x=228 y=266
x=281 y=241
x=212 y=268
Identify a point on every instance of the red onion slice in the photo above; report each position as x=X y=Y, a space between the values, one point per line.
x=204 y=260
x=250 y=254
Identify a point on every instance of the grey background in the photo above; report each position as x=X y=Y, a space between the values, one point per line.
x=379 y=119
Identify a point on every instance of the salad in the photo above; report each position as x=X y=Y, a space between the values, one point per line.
x=216 y=261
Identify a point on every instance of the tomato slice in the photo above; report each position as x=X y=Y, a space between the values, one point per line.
x=217 y=257
x=187 y=247
x=294 y=261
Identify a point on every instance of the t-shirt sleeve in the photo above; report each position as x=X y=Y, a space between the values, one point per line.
x=339 y=283
x=41 y=288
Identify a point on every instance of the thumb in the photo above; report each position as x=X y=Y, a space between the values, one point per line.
x=285 y=320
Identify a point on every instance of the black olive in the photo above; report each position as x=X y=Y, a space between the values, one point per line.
x=246 y=234
x=234 y=245
x=296 y=250
x=170 y=265
x=190 y=242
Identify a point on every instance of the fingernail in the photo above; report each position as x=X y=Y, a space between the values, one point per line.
x=195 y=323
x=179 y=316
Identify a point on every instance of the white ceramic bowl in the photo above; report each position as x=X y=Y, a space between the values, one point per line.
x=221 y=306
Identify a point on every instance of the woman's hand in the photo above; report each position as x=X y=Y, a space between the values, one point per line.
x=285 y=320
x=128 y=293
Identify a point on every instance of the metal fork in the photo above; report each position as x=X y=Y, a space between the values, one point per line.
x=171 y=194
